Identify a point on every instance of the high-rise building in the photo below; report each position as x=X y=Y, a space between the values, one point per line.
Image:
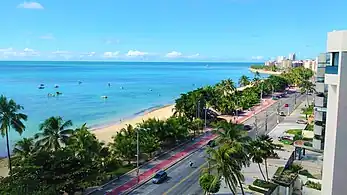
x=335 y=145
x=291 y=56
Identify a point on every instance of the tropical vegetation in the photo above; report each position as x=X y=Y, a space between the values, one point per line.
x=62 y=158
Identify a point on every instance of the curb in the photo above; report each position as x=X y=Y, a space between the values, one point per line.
x=172 y=164
x=146 y=163
x=168 y=167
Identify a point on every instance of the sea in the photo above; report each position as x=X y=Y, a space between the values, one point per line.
x=132 y=88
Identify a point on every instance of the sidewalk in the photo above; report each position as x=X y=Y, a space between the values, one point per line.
x=129 y=181
x=252 y=172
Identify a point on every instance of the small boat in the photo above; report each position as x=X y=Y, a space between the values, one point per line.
x=150 y=90
x=104 y=97
x=121 y=87
x=56 y=86
x=41 y=87
x=58 y=93
x=79 y=82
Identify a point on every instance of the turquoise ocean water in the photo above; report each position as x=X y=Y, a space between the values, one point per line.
x=134 y=88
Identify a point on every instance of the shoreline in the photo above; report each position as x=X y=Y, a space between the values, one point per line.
x=104 y=133
x=261 y=71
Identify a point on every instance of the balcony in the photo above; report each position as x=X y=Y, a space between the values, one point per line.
x=318 y=130
x=320 y=87
x=318 y=116
x=317 y=144
x=331 y=70
x=319 y=101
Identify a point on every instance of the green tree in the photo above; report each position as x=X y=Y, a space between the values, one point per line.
x=124 y=144
x=256 y=153
x=22 y=150
x=307 y=87
x=209 y=183
x=244 y=81
x=229 y=132
x=223 y=164
x=10 y=117
x=268 y=148
x=148 y=143
x=55 y=133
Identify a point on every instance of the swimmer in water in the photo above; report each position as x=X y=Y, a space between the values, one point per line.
x=109 y=84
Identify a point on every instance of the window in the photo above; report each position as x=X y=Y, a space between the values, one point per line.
x=335 y=56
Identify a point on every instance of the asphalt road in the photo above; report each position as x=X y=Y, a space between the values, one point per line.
x=183 y=180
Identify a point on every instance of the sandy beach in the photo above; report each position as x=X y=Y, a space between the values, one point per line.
x=265 y=71
x=105 y=133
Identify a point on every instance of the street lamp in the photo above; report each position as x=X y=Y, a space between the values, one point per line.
x=138 y=151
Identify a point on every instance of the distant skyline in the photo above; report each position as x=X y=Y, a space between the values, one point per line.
x=167 y=30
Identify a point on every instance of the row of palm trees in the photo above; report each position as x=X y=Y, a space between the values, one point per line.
x=235 y=151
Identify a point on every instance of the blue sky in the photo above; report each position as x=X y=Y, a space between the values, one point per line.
x=164 y=30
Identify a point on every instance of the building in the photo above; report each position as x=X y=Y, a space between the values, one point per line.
x=335 y=146
x=297 y=63
x=280 y=59
x=286 y=64
x=310 y=64
x=292 y=56
x=320 y=103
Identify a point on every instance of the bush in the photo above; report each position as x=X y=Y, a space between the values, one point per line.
x=311 y=184
x=279 y=171
x=264 y=184
x=306 y=173
x=295 y=168
x=256 y=189
x=294 y=131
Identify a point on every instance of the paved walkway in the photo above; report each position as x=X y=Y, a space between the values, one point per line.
x=252 y=172
x=130 y=181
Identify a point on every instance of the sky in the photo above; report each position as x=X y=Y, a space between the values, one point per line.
x=167 y=30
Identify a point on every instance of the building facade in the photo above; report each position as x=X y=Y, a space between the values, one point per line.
x=320 y=103
x=335 y=146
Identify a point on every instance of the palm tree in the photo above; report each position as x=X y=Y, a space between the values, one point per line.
x=223 y=163
x=10 y=116
x=256 y=77
x=257 y=154
x=307 y=87
x=55 y=133
x=230 y=132
x=268 y=147
x=23 y=149
x=244 y=81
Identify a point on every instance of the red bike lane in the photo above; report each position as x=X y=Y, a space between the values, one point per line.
x=180 y=155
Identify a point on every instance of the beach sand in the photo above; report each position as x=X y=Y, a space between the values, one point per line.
x=265 y=71
x=105 y=133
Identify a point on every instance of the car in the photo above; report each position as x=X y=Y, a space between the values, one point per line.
x=300 y=121
x=275 y=98
x=211 y=143
x=282 y=113
x=159 y=177
x=247 y=127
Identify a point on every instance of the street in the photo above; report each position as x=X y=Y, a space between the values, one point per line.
x=183 y=179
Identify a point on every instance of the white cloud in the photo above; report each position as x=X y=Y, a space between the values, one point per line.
x=47 y=37
x=173 y=54
x=10 y=52
x=135 y=53
x=110 y=54
x=176 y=54
x=91 y=54
x=30 y=5
x=194 y=55
x=60 y=52
x=257 y=57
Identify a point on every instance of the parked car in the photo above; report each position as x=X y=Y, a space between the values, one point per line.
x=159 y=177
x=247 y=127
x=211 y=143
x=300 y=121
x=275 y=98
x=282 y=113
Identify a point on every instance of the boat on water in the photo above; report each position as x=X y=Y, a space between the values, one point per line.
x=104 y=97
x=56 y=86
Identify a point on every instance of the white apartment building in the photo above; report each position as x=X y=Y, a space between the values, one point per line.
x=335 y=146
x=292 y=56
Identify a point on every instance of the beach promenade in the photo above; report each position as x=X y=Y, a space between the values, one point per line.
x=130 y=180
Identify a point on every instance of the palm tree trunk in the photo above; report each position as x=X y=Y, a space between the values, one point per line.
x=8 y=151
x=238 y=179
x=266 y=171
x=261 y=171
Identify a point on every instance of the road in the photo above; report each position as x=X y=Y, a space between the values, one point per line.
x=183 y=180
